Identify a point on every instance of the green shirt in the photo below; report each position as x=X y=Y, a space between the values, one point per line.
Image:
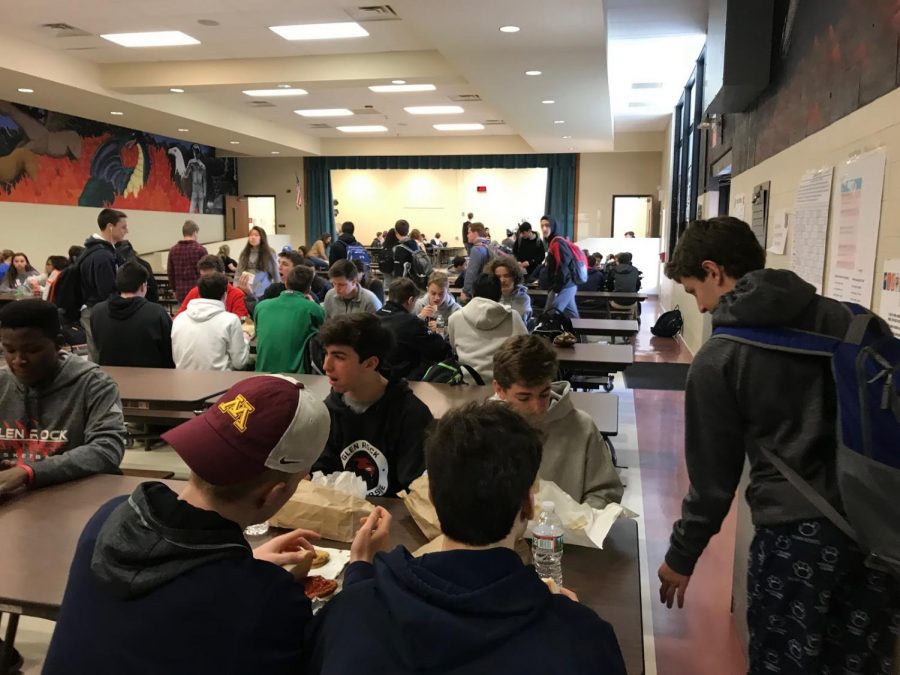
x=283 y=326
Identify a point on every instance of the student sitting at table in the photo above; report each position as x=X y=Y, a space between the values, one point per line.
x=377 y=424
x=416 y=347
x=206 y=336
x=473 y=607
x=625 y=278
x=512 y=289
x=128 y=330
x=234 y=297
x=60 y=415
x=285 y=324
x=478 y=330
x=177 y=566
x=576 y=457
x=458 y=269
x=347 y=296
x=437 y=300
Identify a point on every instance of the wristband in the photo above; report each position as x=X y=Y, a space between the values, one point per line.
x=29 y=471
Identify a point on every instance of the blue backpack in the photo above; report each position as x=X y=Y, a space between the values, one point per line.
x=866 y=369
x=358 y=252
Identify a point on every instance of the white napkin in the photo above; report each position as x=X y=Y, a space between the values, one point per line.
x=582 y=524
x=342 y=481
x=335 y=565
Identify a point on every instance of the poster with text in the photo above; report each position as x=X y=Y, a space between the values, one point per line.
x=889 y=308
x=854 y=235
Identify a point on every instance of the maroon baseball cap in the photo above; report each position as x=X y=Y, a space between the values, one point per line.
x=267 y=421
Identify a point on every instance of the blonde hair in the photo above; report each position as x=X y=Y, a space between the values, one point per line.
x=439 y=279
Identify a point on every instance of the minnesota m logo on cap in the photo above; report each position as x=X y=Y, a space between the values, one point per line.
x=239 y=409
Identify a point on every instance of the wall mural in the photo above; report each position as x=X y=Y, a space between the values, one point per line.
x=52 y=158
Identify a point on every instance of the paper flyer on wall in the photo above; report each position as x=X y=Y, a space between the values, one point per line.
x=810 y=224
x=857 y=219
x=889 y=308
x=779 y=233
x=739 y=208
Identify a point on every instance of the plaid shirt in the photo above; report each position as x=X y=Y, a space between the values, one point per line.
x=182 y=266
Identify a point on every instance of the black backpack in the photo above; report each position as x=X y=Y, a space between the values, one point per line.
x=552 y=323
x=313 y=356
x=66 y=293
x=451 y=371
x=415 y=265
x=386 y=261
x=668 y=324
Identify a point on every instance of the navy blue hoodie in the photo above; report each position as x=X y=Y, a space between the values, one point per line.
x=159 y=586
x=456 y=612
x=97 y=266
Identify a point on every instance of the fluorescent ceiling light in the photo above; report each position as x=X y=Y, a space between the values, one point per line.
x=321 y=31
x=325 y=112
x=176 y=90
x=398 y=81
x=396 y=88
x=263 y=93
x=182 y=130
x=459 y=127
x=559 y=121
x=532 y=73
x=162 y=38
x=25 y=90
x=116 y=112
x=548 y=101
x=434 y=110
x=275 y=152
x=235 y=142
x=362 y=129
x=567 y=137
x=509 y=29
x=284 y=86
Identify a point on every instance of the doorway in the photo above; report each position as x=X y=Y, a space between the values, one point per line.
x=261 y=210
x=632 y=213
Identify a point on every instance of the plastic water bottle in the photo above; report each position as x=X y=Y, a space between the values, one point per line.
x=547 y=544
x=439 y=324
x=257 y=530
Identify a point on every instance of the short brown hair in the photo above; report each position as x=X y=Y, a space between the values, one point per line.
x=401 y=227
x=343 y=268
x=213 y=286
x=509 y=263
x=439 y=279
x=726 y=241
x=362 y=332
x=109 y=217
x=401 y=290
x=477 y=228
x=528 y=360
x=299 y=278
x=210 y=262
x=189 y=228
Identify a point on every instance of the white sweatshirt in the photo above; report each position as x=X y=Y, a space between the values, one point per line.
x=478 y=330
x=207 y=337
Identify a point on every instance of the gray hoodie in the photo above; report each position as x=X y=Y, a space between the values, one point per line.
x=478 y=330
x=445 y=309
x=576 y=456
x=741 y=398
x=365 y=301
x=519 y=300
x=70 y=428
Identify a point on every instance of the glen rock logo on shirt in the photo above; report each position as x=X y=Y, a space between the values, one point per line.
x=238 y=409
x=31 y=443
x=369 y=463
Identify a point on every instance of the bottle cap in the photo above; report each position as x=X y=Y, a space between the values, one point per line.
x=548 y=506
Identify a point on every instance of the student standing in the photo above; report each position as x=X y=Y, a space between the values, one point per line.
x=130 y=331
x=559 y=264
x=465 y=231
x=377 y=424
x=229 y=264
x=813 y=606
x=479 y=256
x=339 y=248
x=97 y=267
x=257 y=265
x=79 y=430
x=183 y=258
x=473 y=607
x=206 y=336
x=347 y=296
x=234 y=297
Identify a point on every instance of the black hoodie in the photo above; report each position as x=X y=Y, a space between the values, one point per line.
x=741 y=398
x=532 y=251
x=455 y=613
x=383 y=445
x=159 y=586
x=132 y=332
x=415 y=347
x=97 y=266
x=339 y=248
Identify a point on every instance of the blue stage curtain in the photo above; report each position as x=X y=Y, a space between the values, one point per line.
x=319 y=208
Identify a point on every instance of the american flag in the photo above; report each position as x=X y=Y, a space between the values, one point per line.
x=299 y=201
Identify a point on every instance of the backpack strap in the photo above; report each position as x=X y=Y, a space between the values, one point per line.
x=473 y=373
x=781 y=339
x=811 y=495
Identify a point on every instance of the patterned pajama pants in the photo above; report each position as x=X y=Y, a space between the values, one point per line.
x=814 y=608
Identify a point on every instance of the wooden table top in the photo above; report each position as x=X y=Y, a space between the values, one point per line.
x=612 y=327
x=597 y=355
x=171 y=389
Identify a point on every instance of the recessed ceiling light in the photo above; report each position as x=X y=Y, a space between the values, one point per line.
x=235 y=142
x=567 y=137
x=207 y=22
x=176 y=90
x=532 y=72
x=509 y=29
x=325 y=112
x=116 y=112
x=284 y=86
x=262 y=93
x=434 y=110
x=398 y=81
x=396 y=88
x=183 y=130
x=548 y=101
x=275 y=152
x=559 y=121
x=320 y=31
x=362 y=129
x=162 y=38
x=459 y=127
x=25 y=90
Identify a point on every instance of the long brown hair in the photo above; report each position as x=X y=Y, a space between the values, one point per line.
x=12 y=272
x=266 y=260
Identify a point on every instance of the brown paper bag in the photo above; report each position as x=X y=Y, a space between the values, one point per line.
x=334 y=515
x=418 y=502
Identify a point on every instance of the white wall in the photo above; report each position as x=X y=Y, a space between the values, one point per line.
x=42 y=230
x=437 y=200
x=276 y=176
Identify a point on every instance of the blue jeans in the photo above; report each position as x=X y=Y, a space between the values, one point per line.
x=318 y=263
x=564 y=301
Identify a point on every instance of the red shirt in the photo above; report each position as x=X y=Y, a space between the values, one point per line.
x=182 y=266
x=234 y=301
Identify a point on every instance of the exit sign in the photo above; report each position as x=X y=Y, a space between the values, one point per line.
x=481 y=188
